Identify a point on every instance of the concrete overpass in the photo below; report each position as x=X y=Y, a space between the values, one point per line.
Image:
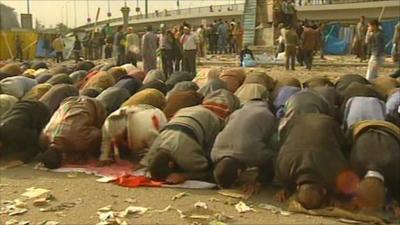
x=195 y=16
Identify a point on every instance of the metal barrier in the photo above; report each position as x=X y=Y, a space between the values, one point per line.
x=330 y=2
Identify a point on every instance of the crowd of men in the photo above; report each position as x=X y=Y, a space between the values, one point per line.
x=319 y=139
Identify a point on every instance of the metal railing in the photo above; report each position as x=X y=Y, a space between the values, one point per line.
x=330 y=2
x=217 y=9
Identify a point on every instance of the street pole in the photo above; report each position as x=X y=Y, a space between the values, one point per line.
x=74 y=13
x=146 y=8
x=66 y=14
x=27 y=6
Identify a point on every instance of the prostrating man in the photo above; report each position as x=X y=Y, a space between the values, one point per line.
x=182 y=150
x=149 y=48
x=311 y=159
x=307 y=101
x=133 y=129
x=375 y=156
x=363 y=108
x=74 y=132
x=189 y=43
x=393 y=107
x=16 y=86
x=57 y=94
x=246 y=141
x=20 y=129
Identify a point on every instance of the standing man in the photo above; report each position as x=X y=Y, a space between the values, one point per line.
x=222 y=31
x=18 y=48
x=132 y=47
x=149 y=48
x=214 y=38
x=58 y=46
x=361 y=33
x=118 y=46
x=189 y=42
x=291 y=41
x=377 y=47
x=321 y=29
x=166 y=42
x=396 y=44
x=77 y=49
x=308 y=43
x=239 y=37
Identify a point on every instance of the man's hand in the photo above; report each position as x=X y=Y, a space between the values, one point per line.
x=175 y=178
x=104 y=163
x=251 y=188
x=282 y=196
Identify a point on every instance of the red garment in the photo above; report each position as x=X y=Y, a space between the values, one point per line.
x=136 y=181
x=222 y=111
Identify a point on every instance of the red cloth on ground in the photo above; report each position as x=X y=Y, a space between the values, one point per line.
x=136 y=181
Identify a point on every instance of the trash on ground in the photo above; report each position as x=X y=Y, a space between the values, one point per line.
x=133 y=210
x=13 y=208
x=201 y=217
x=72 y=175
x=201 y=205
x=40 y=202
x=216 y=222
x=59 y=207
x=33 y=192
x=106 y=179
x=214 y=199
x=105 y=208
x=274 y=209
x=49 y=222
x=12 y=222
x=60 y=214
x=241 y=207
x=178 y=196
x=130 y=200
x=233 y=193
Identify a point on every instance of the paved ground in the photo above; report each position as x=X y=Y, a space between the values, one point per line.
x=92 y=195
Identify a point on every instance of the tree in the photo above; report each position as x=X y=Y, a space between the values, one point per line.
x=62 y=28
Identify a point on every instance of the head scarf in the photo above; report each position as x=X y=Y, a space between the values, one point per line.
x=181 y=99
x=233 y=78
x=37 y=92
x=6 y=102
x=307 y=101
x=128 y=67
x=112 y=98
x=260 y=78
x=57 y=94
x=154 y=75
x=42 y=78
x=11 y=69
x=155 y=84
x=211 y=86
x=102 y=80
x=222 y=102
x=329 y=93
x=251 y=91
x=60 y=79
x=148 y=96
x=132 y=84
x=204 y=75
x=58 y=69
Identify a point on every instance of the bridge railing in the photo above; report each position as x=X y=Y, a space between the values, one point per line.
x=174 y=13
x=330 y=2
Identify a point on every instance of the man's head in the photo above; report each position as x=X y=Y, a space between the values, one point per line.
x=373 y=25
x=186 y=30
x=149 y=28
x=227 y=171
x=51 y=158
x=370 y=193
x=161 y=165
x=362 y=19
x=311 y=196
x=119 y=29
x=130 y=30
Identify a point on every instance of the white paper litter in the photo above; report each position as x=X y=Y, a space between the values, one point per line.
x=274 y=209
x=241 y=207
x=201 y=205
x=178 y=196
x=33 y=192
x=106 y=179
x=12 y=222
x=105 y=208
x=133 y=210
x=130 y=200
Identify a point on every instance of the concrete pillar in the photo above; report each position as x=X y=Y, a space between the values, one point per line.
x=125 y=16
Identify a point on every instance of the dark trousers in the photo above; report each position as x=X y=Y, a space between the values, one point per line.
x=77 y=55
x=308 y=58
x=121 y=57
x=59 y=57
x=108 y=51
x=19 y=54
x=166 y=57
x=290 y=53
x=189 y=61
